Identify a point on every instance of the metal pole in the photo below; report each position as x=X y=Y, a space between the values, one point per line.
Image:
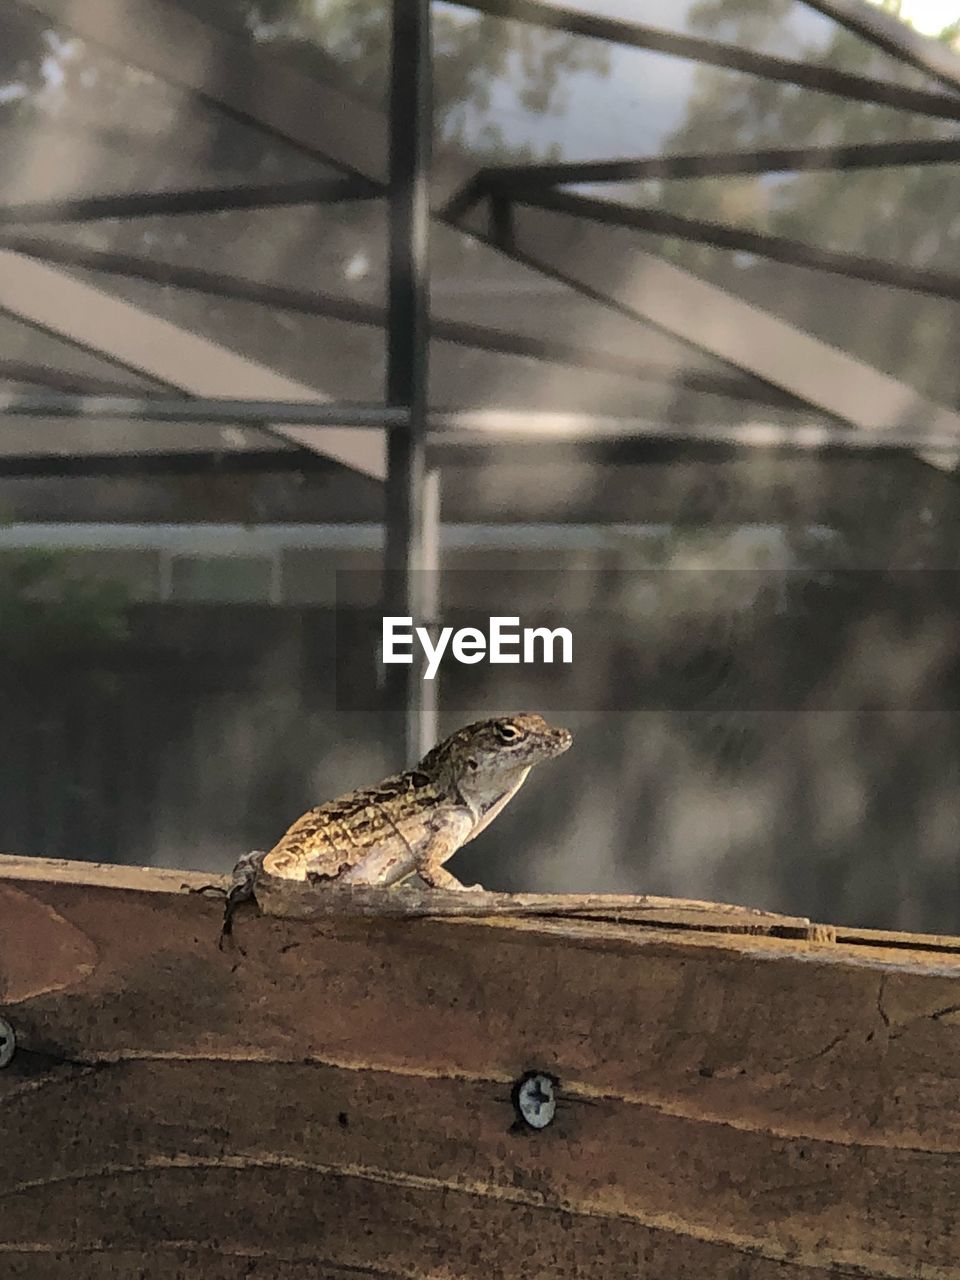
x=177 y=409
x=430 y=689
x=407 y=555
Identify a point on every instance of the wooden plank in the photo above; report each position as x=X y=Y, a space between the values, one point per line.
x=334 y=1097
x=105 y=875
x=297 y=900
x=890 y=938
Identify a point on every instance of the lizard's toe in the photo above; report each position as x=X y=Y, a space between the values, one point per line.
x=207 y=890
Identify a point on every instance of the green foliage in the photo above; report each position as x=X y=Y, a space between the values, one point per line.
x=50 y=613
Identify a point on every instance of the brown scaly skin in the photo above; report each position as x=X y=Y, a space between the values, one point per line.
x=413 y=821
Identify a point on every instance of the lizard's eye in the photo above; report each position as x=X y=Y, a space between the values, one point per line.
x=472 y=764
x=508 y=732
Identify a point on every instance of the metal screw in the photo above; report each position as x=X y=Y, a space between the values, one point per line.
x=534 y=1096
x=8 y=1042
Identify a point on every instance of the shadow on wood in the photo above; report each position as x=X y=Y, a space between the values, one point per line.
x=739 y=1095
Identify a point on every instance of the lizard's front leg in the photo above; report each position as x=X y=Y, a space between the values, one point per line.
x=445 y=839
x=439 y=878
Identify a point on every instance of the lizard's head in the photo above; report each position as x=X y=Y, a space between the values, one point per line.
x=491 y=757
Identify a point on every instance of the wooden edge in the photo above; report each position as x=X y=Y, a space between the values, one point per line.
x=296 y=900
x=104 y=875
x=892 y=938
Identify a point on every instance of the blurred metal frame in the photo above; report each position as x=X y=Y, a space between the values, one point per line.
x=261 y=91
x=148 y=204
x=894 y=37
x=132 y=338
x=468 y=427
x=393 y=155
x=564 y=351
x=544 y=13
x=513 y=181
x=276 y=99
x=647 y=288
x=798 y=253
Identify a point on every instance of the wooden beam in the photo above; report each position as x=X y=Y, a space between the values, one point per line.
x=337 y=1097
x=70 y=308
x=295 y=900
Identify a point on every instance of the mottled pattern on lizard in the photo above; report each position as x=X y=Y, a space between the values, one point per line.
x=416 y=820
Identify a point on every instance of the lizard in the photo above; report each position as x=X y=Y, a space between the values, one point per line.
x=413 y=821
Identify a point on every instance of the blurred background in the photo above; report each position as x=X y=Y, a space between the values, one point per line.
x=718 y=241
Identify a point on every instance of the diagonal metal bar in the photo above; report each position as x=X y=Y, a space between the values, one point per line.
x=715 y=53
x=646 y=287
x=511 y=179
x=893 y=36
x=132 y=338
x=607 y=212
x=157 y=271
x=461 y=333
x=201 y=200
x=237 y=78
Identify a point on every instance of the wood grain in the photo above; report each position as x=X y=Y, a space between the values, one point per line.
x=333 y=1097
x=298 y=900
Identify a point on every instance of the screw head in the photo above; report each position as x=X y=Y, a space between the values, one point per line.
x=8 y=1042
x=535 y=1098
